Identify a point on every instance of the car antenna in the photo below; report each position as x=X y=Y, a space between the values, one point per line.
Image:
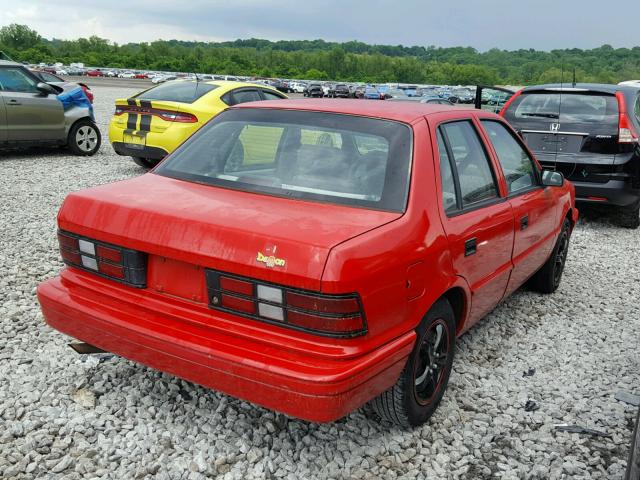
x=197 y=83
x=574 y=77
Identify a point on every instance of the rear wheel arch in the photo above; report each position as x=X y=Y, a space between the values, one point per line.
x=456 y=297
x=569 y=216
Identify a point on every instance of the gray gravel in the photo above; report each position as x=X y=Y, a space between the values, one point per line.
x=66 y=416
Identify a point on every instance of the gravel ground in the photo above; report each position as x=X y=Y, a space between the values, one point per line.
x=67 y=416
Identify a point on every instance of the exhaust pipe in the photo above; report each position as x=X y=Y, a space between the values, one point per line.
x=85 y=348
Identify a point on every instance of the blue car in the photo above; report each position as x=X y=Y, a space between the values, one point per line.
x=411 y=91
x=371 y=93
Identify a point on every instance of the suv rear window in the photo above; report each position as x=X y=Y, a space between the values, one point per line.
x=576 y=107
x=179 y=91
x=316 y=156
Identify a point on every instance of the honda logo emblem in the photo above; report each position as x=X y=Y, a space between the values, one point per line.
x=554 y=127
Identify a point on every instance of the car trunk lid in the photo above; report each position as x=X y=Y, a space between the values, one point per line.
x=186 y=227
x=141 y=116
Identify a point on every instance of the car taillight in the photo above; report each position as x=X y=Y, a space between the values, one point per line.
x=332 y=315
x=117 y=263
x=181 y=117
x=87 y=92
x=167 y=115
x=626 y=132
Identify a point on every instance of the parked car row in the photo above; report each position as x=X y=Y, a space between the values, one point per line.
x=587 y=132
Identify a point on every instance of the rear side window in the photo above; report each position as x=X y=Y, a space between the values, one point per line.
x=236 y=97
x=16 y=80
x=517 y=166
x=475 y=176
x=244 y=96
x=271 y=96
x=449 y=197
x=179 y=91
x=575 y=108
x=323 y=157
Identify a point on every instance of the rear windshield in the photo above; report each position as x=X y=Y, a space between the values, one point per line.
x=315 y=156
x=575 y=107
x=180 y=91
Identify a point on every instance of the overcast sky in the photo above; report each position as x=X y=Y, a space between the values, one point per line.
x=506 y=24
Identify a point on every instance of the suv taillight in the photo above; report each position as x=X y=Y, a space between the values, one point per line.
x=626 y=132
x=116 y=263
x=332 y=315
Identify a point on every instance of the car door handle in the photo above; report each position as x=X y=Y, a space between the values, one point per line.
x=470 y=247
x=13 y=101
x=524 y=222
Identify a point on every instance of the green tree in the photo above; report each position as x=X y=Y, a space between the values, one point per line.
x=19 y=37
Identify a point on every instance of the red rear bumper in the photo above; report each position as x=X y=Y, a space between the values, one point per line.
x=195 y=344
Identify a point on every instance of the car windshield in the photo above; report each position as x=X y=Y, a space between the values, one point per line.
x=315 y=156
x=180 y=91
x=579 y=108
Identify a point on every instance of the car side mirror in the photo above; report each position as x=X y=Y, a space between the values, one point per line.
x=552 y=179
x=46 y=89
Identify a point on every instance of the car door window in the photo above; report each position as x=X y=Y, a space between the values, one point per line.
x=475 y=176
x=637 y=109
x=270 y=95
x=518 y=167
x=449 y=196
x=16 y=80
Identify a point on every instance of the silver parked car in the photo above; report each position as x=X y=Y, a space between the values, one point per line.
x=33 y=112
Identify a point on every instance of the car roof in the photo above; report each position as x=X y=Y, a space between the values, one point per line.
x=590 y=87
x=226 y=85
x=7 y=63
x=406 y=112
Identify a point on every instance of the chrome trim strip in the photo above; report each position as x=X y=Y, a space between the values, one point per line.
x=582 y=134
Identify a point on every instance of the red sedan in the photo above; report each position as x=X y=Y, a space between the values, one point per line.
x=312 y=256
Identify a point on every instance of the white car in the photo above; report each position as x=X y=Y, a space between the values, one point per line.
x=126 y=75
x=163 y=78
x=298 y=87
x=61 y=71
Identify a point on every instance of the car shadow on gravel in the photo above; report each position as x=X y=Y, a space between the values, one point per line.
x=31 y=152
x=600 y=215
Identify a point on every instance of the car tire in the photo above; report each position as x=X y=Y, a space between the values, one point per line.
x=84 y=138
x=630 y=218
x=145 y=163
x=547 y=279
x=417 y=393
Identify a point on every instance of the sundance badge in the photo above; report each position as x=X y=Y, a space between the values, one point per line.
x=271 y=260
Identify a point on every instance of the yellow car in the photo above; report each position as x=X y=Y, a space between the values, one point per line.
x=151 y=124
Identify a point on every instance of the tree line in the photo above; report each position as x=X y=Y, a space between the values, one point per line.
x=319 y=60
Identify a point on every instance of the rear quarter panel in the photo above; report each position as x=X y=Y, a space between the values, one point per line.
x=400 y=269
